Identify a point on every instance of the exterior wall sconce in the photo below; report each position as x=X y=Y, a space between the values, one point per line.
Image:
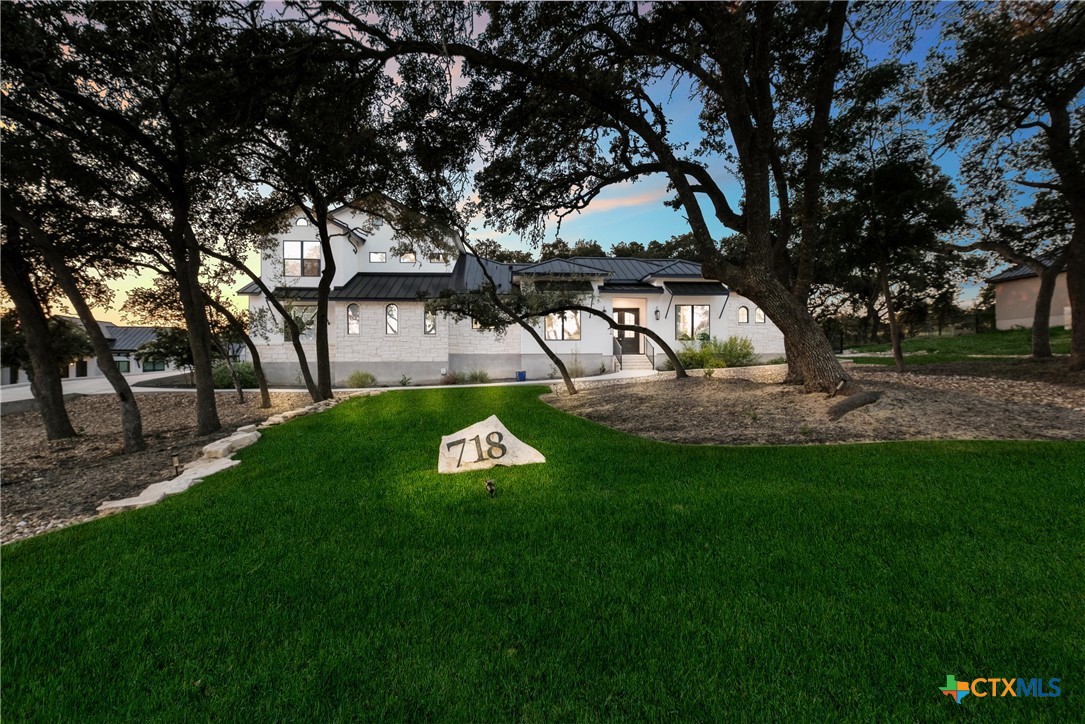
x=657 y=314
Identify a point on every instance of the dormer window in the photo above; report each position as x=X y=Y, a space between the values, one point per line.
x=301 y=222
x=301 y=258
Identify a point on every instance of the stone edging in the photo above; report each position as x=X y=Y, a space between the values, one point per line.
x=217 y=456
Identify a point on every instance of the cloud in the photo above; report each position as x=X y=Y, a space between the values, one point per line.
x=650 y=197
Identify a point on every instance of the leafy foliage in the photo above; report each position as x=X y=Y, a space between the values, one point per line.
x=711 y=353
x=224 y=381
x=359 y=378
x=68 y=341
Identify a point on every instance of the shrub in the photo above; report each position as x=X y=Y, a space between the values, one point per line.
x=478 y=376
x=220 y=374
x=733 y=352
x=357 y=378
x=714 y=353
x=777 y=361
x=452 y=377
x=404 y=381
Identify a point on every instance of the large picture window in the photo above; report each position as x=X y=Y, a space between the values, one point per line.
x=563 y=325
x=154 y=365
x=301 y=258
x=429 y=325
x=391 y=319
x=691 y=320
x=354 y=319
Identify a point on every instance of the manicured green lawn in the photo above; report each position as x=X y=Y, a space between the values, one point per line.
x=1006 y=342
x=928 y=359
x=335 y=575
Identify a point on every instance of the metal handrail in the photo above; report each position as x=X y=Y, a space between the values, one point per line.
x=651 y=354
x=617 y=351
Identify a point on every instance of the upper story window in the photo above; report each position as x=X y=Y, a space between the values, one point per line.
x=743 y=315
x=564 y=325
x=301 y=222
x=429 y=323
x=391 y=319
x=691 y=320
x=409 y=258
x=759 y=316
x=438 y=259
x=377 y=257
x=301 y=258
x=354 y=319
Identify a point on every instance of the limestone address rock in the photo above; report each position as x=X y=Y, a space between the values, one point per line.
x=484 y=445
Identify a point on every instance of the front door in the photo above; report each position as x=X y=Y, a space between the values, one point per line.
x=628 y=339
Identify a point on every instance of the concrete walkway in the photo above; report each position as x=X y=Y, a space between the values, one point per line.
x=100 y=385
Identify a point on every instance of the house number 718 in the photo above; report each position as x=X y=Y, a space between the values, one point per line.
x=494 y=450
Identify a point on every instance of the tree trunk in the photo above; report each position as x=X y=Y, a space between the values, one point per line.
x=327 y=274
x=813 y=355
x=894 y=324
x=257 y=368
x=1075 y=285
x=186 y=260
x=233 y=371
x=44 y=374
x=1041 y=315
x=131 y=419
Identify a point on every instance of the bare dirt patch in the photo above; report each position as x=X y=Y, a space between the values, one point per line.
x=46 y=485
x=750 y=407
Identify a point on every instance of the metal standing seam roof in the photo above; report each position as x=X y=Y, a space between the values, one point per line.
x=399 y=286
x=391 y=287
x=629 y=288
x=1021 y=271
x=558 y=267
x=707 y=288
x=619 y=269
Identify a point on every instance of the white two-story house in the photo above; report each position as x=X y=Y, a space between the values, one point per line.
x=378 y=322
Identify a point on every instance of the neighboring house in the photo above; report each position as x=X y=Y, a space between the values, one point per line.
x=379 y=324
x=1015 y=298
x=123 y=343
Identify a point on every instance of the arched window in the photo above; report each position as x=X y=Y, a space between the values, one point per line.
x=759 y=316
x=301 y=222
x=743 y=315
x=354 y=320
x=391 y=319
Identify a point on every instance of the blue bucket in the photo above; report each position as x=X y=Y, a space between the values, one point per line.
x=521 y=376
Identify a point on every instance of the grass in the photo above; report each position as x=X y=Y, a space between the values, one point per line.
x=999 y=343
x=929 y=359
x=335 y=575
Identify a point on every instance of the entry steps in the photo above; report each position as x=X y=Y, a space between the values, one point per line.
x=636 y=362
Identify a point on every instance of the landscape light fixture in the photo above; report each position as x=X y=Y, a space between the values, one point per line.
x=175 y=460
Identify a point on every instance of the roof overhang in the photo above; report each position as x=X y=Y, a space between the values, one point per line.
x=696 y=289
